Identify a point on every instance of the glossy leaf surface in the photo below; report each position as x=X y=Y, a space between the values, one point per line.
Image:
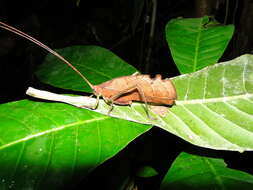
x=197 y=42
x=214 y=107
x=47 y=145
x=96 y=63
x=198 y=172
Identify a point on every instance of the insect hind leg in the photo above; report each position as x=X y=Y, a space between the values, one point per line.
x=145 y=101
x=132 y=88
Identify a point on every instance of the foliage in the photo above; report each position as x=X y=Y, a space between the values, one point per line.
x=96 y=63
x=210 y=103
x=200 y=172
x=48 y=144
x=42 y=142
x=197 y=42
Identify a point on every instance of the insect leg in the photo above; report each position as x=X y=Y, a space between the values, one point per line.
x=135 y=73
x=143 y=97
x=95 y=105
x=110 y=109
x=144 y=100
x=97 y=102
x=127 y=90
x=109 y=102
x=116 y=96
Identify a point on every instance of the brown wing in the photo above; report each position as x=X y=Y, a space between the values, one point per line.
x=156 y=91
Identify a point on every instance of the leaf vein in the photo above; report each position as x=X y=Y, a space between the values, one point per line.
x=52 y=130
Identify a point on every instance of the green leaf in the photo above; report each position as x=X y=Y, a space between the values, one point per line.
x=199 y=172
x=197 y=42
x=96 y=63
x=214 y=107
x=48 y=145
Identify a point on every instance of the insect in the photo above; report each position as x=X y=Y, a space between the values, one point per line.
x=122 y=90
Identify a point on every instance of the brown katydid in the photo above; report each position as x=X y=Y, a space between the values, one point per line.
x=122 y=90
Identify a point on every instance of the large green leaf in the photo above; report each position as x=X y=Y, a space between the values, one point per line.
x=198 y=172
x=96 y=63
x=214 y=107
x=196 y=42
x=49 y=145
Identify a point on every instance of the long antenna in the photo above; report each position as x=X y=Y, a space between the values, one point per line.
x=20 y=33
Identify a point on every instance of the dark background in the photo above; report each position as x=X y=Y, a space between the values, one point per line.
x=123 y=26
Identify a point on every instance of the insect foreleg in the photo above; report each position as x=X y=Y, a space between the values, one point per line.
x=97 y=102
x=95 y=105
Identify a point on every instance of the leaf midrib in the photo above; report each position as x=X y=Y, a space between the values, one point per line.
x=214 y=100
x=197 y=47
x=217 y=177
x=62 y=127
